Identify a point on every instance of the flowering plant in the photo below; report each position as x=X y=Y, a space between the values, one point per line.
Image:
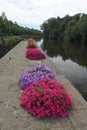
x=46 y=98
x=37 y=73
x=35 y=54
x=31 y=43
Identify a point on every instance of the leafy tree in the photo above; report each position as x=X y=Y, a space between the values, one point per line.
x=82 y=25
x=69 y=28
x=3 y=15
x=7 y=27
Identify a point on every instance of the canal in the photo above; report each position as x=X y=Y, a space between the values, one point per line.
x=71 y=59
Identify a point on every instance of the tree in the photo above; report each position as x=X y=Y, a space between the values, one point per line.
x=9 y=28
x=3 y=16
x=68 y=28
x=82 y=25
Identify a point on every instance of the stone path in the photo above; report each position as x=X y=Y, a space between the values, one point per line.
x=13 y=116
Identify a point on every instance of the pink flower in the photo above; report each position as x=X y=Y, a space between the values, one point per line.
x=46 y=98
x=35 y=54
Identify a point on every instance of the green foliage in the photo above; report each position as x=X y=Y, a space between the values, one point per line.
x=68 y=28
x=1 y=124
x=7 y=27
x=11 y=41
x=42 y=129
x=48 y=26
x=72 y=33
x=82 y=26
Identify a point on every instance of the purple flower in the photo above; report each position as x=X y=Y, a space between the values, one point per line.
x=37 y=73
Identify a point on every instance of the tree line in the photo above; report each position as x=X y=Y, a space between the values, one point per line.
x=7 y=28
x=69 y=28
x=11 y=34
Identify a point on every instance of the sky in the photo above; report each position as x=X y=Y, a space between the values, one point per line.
x=32 y=13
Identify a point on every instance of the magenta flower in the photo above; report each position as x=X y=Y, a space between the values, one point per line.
x=35 y=54
x=46 y=98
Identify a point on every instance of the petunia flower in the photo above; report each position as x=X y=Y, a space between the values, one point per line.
x=35 y=54
x=37 y=73
x=41 y=99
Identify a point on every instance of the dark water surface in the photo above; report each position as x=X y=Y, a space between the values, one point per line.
x=71 y=59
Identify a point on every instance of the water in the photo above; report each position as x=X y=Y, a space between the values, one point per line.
x=71 y=59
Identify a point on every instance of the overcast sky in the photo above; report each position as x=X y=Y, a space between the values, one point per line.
x=33 y=13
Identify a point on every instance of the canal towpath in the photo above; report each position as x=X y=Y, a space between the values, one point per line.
x=13 y=116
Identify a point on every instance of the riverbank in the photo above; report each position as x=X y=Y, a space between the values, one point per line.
x=13 y=116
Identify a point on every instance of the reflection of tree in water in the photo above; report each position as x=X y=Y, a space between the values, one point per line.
x=73 y=51
x=53 y=49
x=76 y=52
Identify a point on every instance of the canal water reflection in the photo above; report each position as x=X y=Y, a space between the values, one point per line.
x=71 y=59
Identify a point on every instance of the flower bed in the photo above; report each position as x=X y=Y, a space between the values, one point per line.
x=35 y=54
x=31 y=43
x=42 y=95
x=37 y=73
x=46 y=98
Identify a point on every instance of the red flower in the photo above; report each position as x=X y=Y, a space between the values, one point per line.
x=35 y=54
x=46 y=98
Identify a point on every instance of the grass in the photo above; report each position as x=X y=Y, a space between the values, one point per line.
x=43 y=129
x=1 y=125
x=71 y=123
